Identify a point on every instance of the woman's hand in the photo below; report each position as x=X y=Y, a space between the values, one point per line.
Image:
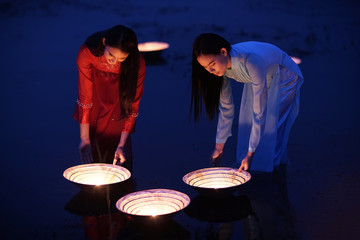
x=85 y=151
x=246 y=162
x=119 y=155
x=216 y=156
x=218 y=150
x=120 y=152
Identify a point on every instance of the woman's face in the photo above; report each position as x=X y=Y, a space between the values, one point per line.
x=114 y=55
x=216 y=64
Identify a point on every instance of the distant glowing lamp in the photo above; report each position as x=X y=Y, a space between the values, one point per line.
x=152 y=46
x=296 y=60
x=152 y=203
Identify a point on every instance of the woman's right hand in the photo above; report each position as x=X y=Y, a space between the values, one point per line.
x=215 y=160
x=85 y=151
x=218 y=150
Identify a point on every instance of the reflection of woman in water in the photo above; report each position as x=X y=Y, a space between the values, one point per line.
x=270 y=98
x=97 y=208
x=111 y=83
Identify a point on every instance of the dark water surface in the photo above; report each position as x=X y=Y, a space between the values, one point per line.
x=259 y=210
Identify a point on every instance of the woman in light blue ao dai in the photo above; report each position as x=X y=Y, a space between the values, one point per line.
x=270 y=99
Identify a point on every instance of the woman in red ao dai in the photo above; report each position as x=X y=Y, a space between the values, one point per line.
x=111 y=83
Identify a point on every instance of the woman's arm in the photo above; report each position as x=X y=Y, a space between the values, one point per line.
x=85 y=145
x=257 y=70
x=120 y=152
x=84 y=102
x=85 y=86
x=226 y=116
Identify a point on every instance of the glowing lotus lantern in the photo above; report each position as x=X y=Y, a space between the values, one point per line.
x=153 y=203
x=96 y=174
x=216 y=181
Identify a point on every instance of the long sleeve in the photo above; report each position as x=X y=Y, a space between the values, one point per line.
x=85 y=86
x=131 y=120
x=226 y=114
x=257 y=70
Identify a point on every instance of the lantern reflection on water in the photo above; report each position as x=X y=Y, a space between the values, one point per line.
x=153 y=202
x=216 y=180
x=96 y=174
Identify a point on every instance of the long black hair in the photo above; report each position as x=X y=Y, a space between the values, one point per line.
x=125 y=39
x=206 y=87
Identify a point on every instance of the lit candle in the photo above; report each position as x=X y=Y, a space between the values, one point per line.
x=94 y=180
x=97 y=179
x=154 y=210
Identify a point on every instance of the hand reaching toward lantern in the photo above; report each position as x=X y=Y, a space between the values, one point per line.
x=215 y=160
x=85 y=151
x=246 y=162
x=120 y=152
x=218 y=150
x=216 y=156
x=119 y=156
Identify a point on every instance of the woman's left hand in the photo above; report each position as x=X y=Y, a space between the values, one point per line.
x=246 y=162
x=119 y=155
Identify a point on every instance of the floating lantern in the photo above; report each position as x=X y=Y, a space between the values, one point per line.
x=152 y=46
x=217 y=181
x=152 y=52
x=153 y=203
x=96 y=174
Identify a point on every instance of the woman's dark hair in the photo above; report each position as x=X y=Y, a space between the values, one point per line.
x=206 y=87
x=125 y=39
